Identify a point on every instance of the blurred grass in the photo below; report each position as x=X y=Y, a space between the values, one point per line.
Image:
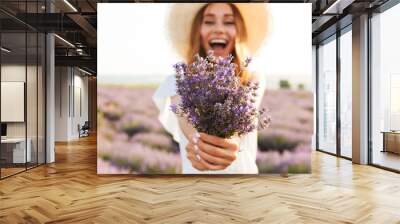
x=118 y=99
x=275 y=142
x=131 y=85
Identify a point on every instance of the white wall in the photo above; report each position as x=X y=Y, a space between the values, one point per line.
x=71 y=93
x=314 y=89
x=79 y=115
x=12 y=73
x=12 y=100
x=62 y=82
x=33 y=126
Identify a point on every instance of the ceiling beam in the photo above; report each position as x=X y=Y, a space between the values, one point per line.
x=84 y=24
x=337 y=6
x=83 y=61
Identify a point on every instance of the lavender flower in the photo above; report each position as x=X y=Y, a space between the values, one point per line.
x=214 y=100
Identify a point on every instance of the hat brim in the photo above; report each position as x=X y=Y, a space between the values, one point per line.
x=181 y=16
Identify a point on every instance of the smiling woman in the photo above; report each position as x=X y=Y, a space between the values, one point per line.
x=137 y=86
x=222 y=28
x=218 y=30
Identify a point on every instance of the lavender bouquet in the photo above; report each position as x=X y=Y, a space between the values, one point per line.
x=214 y=100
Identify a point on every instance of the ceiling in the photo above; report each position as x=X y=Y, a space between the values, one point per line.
x=76 y=22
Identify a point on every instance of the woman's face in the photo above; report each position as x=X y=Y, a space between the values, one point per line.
x=218 y=30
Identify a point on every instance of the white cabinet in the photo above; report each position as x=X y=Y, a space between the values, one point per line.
x=18 y=149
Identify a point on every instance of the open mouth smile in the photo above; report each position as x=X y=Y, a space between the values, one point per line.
x=218 y=44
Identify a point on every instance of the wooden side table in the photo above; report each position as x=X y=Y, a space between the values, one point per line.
x=391 y=141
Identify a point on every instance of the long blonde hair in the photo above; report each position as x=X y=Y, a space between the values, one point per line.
x=240 y=51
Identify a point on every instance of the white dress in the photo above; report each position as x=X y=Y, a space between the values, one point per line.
x=246 y=158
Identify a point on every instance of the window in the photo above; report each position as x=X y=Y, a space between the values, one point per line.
x=23 y=77
x=385 y=89
x=346 y=93
x=327 y=96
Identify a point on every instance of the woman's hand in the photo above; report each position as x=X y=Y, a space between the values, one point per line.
x=212 y=152
x=192 y=152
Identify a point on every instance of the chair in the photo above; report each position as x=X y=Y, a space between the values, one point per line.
x=84 y=130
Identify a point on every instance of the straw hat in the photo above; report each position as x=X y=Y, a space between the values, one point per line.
x=181 y=17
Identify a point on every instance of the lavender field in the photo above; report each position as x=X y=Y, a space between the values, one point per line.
x=132 y=140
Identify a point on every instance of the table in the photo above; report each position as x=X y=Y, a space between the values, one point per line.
x=391 y=141
x=17 y=150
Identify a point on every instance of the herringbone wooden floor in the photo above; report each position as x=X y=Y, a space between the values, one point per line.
x=70 y=191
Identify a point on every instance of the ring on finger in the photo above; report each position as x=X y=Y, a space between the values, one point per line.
x=196 y=152
x=198 y=157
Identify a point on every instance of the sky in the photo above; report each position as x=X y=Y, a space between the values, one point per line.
x=133 y=44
